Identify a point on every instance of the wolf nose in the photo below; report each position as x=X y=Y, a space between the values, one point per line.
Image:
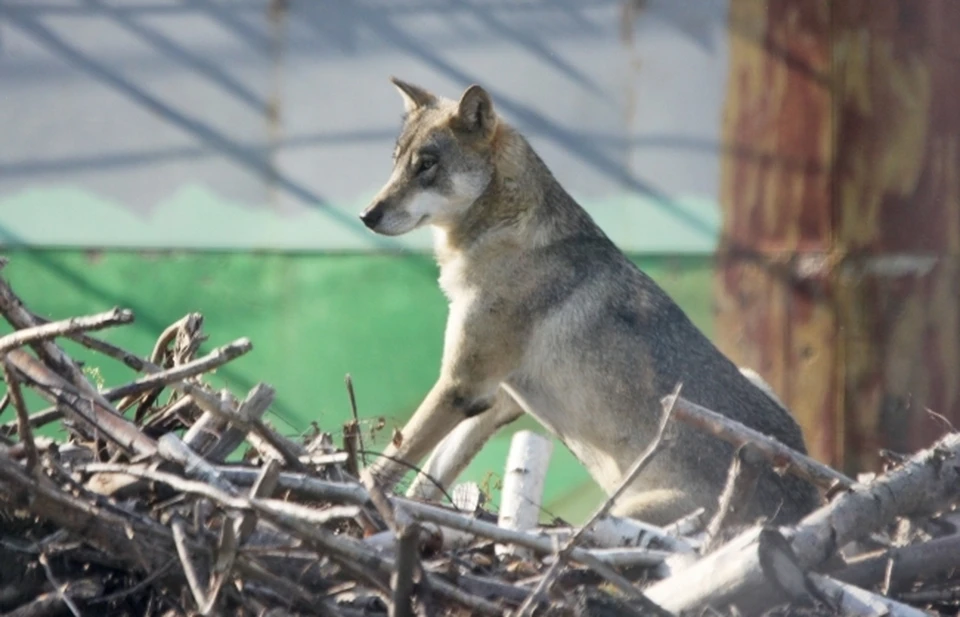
x=372 y=215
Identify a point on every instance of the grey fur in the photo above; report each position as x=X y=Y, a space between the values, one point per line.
x=546 y=312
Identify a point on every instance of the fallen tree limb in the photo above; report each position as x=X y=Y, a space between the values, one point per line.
x=523 y=481
x=910 y=563
x=923 y=484
x=780 y=455
x=856 y=602
x=618 y=532
x=754 y=572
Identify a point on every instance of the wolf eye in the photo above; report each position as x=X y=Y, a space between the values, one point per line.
x=426 y=164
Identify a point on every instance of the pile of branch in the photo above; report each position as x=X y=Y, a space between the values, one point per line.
x=163 y=496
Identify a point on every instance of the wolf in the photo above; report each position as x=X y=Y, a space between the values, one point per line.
x=546 y=316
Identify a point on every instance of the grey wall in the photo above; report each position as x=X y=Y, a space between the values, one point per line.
x=271 y=126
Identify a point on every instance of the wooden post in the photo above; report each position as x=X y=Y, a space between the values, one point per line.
x=838 y=275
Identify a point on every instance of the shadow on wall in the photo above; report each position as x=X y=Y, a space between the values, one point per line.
x=327 y=30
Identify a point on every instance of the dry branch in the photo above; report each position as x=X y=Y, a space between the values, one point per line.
x=780 y=455
x=216 y=358
x=910 y=563
x=66 y=327
x=215 y=437
x=91 y=411
x=925 y=483
x=14 y=312
x=405 y=568
x=616 y=532
x=741 y=482
x=856 y=602
x=23 y=419
x=52 y=603
x=752 y=573
x=523 y=484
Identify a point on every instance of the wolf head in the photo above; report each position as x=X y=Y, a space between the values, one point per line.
x=441 y=164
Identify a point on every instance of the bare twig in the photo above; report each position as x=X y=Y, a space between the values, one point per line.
x=355 y=493
x=13 y=310
x=263 y=488
x=216 y=358
x=65 y=327
x=380 y=501
x=540 y=543
x=228 y=496
x=131 y=361
x=207 y=401
x=402 y=580
x=23 y=418
x=36 y=420
x=356 y=417
x=351 y=444
x=187 y=326
x=58 y=588
x=216 y=438
x=251 y=568
x=741 y=481
x=52 y=603
x=924 y=596
x=303 y=485
x=92 y=413
x=197 y=587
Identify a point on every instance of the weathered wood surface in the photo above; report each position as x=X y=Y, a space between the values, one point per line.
x=838 y=277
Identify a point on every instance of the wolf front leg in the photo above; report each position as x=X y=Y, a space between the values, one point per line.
x=455 y=452
x=445 y=407
x=480 y=350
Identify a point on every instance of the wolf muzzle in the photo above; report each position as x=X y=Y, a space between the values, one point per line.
x=372 y=216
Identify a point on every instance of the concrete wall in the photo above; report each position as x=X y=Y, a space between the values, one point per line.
x=237 y=125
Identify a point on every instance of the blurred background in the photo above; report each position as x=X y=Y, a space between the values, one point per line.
x=788 y=170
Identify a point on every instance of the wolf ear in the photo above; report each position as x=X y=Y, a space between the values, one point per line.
x=413 y=96
x=475 y=111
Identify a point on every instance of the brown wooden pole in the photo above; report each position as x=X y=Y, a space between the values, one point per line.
x=838 y=275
